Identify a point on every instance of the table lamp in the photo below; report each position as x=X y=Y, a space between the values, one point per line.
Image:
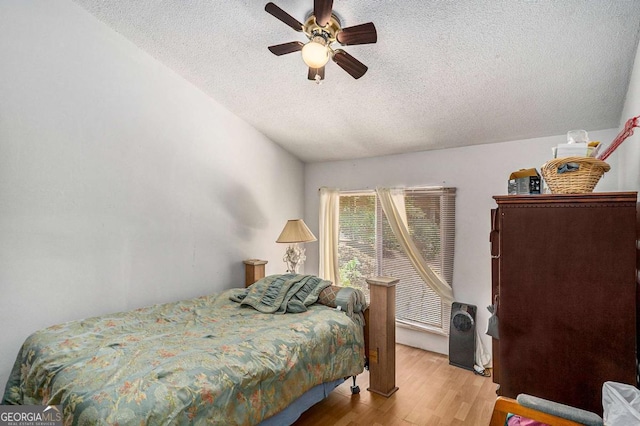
x=295 y=231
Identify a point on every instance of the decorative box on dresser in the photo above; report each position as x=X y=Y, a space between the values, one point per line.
x=564 y=278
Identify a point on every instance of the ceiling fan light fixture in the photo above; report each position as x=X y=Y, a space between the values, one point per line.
x=316 y=53
x=323 y=28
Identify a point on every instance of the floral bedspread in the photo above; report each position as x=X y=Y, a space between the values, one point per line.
x=206 y=360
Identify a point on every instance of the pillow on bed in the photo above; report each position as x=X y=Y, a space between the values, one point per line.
x=347 y=299
x=328 y=296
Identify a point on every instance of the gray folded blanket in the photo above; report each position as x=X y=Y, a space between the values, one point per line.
x=277 y=294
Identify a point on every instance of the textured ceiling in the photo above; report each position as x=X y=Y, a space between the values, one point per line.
x=443 y=73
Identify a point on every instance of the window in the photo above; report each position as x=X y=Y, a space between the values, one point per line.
x=367 y=247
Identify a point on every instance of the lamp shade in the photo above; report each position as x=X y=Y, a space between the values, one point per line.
x=295 y=231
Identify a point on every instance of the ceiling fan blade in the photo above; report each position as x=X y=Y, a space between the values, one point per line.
x=284 y=48
x=283 y=16
x=358 y=34
x=316 y=71
x=322 y=11
x=350 y=64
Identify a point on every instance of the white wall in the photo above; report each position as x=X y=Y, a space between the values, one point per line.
x=628 y=153
x=121 y=184
x=478 y=173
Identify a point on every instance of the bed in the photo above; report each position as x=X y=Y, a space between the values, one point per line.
x=240 y=357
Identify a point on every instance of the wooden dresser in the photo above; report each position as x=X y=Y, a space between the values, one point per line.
x=564 y=277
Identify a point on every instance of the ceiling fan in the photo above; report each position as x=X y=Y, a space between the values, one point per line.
x=322 y=28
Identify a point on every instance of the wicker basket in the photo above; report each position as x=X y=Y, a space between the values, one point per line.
x=575 y=182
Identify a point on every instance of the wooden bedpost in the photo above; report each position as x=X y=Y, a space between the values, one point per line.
x=253 y=271
x=382 y=335
x=367 y=333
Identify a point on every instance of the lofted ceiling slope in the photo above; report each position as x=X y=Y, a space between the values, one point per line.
x=442 y=74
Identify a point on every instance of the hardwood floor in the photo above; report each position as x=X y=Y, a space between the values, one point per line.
x=431 y=392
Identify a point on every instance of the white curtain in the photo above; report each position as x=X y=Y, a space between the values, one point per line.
x=392 y=201
x=329 y=234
